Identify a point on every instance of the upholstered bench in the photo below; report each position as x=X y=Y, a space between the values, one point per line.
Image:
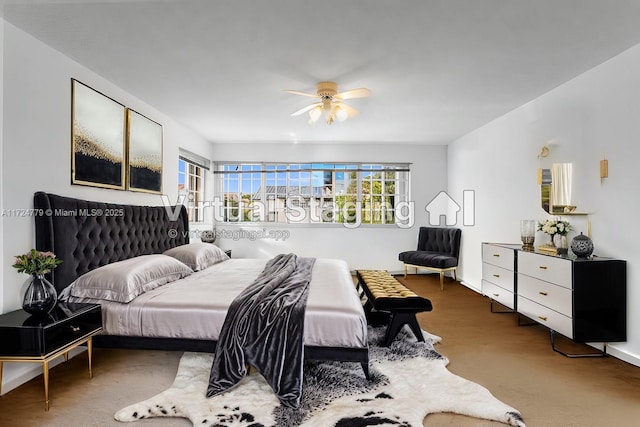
x=386 y=294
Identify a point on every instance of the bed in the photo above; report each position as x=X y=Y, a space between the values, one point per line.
x=186 y=314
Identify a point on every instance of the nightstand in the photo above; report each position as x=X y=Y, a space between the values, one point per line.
x=25 y=338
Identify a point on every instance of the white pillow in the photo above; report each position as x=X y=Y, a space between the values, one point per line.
x=124 y=280
x=198 y=256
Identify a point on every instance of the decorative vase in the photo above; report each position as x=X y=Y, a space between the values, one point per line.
x=561 y=243
x=551 y=242
x=527 y=233
x=40 y=296
x=582 y=246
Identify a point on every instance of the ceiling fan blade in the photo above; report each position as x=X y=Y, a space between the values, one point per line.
x=362 y=92
x=351 y=112
x=297 y=92
x=307 y=108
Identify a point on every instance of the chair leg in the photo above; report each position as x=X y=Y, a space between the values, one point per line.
x=454 y=275
x=405 y=271
x=442 y=280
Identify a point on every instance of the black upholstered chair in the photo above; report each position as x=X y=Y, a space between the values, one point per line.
x=438 y=250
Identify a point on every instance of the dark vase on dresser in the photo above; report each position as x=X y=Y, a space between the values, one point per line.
x=40 y=296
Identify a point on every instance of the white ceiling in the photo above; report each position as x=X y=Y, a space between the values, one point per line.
x=438 y=69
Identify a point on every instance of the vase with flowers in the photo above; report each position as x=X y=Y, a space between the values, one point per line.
x=553 y=228
x=40 y=296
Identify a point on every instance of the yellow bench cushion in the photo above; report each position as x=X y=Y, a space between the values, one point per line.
x=386 y=293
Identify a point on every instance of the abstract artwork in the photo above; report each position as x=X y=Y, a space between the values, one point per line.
x=98 y=143
x=145 y=153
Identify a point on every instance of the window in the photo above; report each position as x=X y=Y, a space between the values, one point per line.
x=190 y=184
x=338 y=193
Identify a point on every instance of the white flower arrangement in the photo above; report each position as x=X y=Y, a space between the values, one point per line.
x=553 y=226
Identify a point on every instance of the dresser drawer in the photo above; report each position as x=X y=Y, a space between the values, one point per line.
x=499 y=294
x=546 y=316
x=498 y=275
x=63 y=333
x=499 y=256
x=547 y=268
x=22 y=335
x=547 y=294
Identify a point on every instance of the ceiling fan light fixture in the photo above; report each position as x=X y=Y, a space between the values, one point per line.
x=341 y=114
x=330 y=102
x=314 y=114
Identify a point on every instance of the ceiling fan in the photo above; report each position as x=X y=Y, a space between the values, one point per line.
x=330 y=102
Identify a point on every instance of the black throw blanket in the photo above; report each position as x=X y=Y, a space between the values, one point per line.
x=264 y=328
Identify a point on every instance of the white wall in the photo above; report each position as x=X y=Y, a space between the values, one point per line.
x=594 y=115
x=363 y=247
x=36 y=154
x=1 y=150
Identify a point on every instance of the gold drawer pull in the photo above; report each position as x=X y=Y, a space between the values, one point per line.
x=496 y=255
x=496 y=275
x=543 y=267
x=542 y=318
x=496 y=295
x=543 y=293
x=74 y=328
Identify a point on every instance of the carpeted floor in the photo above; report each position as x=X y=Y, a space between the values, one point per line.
x=515 y=363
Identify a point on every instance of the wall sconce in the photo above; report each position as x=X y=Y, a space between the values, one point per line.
x=604 y=168
x=544 y=151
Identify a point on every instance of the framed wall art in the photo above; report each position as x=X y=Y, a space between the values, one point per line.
x=97 y=138
x=144 y=141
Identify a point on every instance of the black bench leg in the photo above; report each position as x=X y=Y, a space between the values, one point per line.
x=398 y=320
x=415 y=327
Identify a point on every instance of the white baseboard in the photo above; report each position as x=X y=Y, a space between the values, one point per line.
x=470 y=286
x=633 y=359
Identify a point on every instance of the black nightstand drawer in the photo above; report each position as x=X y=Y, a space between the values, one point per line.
x=25 y=335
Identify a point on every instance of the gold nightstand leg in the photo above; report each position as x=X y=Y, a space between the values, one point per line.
x=45 y=372
x=89 y=354
x=0 y=377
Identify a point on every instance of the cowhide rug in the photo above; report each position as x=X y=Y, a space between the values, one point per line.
x=409 y=381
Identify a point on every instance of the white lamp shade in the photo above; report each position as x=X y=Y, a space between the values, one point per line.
x=315 y=114
x=341 y=115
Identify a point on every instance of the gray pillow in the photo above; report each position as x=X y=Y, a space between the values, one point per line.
x=198 y=256
x=124 y=280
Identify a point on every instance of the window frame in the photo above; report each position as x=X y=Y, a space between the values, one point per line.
x=294 y=176
x=193 y=173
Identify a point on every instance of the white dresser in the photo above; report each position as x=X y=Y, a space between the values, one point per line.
x=582 y=299
x=499 y=273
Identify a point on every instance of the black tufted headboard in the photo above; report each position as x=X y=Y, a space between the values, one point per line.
x=87 y=235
